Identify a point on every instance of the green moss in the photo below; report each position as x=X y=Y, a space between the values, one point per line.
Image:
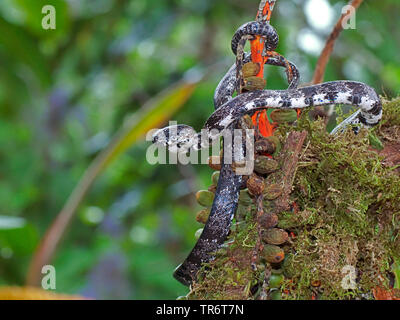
x=349 y=217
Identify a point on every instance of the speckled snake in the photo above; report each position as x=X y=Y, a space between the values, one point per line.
x=228 y=110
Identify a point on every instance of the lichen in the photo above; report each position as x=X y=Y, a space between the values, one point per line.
x=347 y=220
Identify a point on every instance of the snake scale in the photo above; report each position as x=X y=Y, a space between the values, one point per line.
x=227 y=112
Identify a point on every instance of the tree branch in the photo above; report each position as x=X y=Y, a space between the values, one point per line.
x=330 y=43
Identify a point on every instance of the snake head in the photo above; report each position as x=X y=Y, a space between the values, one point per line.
x=177 y=138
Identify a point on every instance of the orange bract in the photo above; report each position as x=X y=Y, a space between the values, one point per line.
x=257 y=47
x=266 y=128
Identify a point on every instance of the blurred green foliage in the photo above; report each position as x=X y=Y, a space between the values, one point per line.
x=65 y=92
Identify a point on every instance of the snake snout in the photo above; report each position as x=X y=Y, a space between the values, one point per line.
x=177 y=138
x=159 y=137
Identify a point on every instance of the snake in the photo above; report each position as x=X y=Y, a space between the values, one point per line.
x=229 y=109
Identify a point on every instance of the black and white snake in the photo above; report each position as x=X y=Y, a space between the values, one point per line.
x=228 y=110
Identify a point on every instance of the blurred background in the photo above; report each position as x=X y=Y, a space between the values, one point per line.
x=64 y=94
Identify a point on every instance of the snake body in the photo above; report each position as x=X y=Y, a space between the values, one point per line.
x=229 y=110
x=227 y=86
x=256 y=28
x=217 y=227
x=335 y=92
